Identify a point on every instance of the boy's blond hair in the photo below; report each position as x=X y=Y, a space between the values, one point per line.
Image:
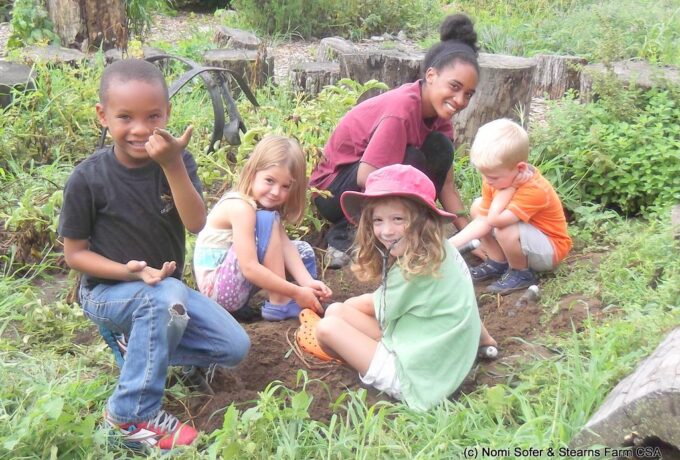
x=274 y=150
x=500 y=143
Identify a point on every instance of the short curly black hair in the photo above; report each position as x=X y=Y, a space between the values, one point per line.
x=128 y=70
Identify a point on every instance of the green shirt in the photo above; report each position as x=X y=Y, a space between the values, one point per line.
x=432 y=325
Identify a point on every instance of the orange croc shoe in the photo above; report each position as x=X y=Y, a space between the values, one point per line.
x=305 y=336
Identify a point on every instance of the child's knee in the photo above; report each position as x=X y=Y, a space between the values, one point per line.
x=334 y=309
x=325 y=328
x=474 y=208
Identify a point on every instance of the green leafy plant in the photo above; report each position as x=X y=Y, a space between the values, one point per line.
x=30 y=24
x=626 y=159
x=322 y=18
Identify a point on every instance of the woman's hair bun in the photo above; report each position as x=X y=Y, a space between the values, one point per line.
x=459 y=27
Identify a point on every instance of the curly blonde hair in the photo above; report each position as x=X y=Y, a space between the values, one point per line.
x=275 y=150
x=423 y=239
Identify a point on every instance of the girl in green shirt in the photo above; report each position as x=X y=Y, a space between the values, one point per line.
x=416 y=337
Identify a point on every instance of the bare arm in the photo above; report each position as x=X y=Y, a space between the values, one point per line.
x=80 y=258
x=297 y=269
x=499 y=215
x=242 y=217
x=450 y=200
x=166 y=150
x=478 y=228
x=362 y=173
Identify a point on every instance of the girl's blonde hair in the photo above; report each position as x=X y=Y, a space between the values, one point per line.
x=275 y=150
x=423 y=239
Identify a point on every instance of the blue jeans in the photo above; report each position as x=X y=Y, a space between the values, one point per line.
x=166 y=324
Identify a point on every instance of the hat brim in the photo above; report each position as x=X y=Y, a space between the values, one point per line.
x=353 y=202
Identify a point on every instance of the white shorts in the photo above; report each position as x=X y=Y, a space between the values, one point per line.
x=537 y=247
x=382 y=372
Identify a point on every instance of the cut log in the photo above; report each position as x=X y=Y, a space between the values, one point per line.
x=331 y=48
x=675 y=221
x=311 y=77
x=644 y=403
x=115 y=54
x=13 y=76
x=89 y=24
x=555 y=75
x=504 y=90
x=55 y=55
x=642 y=74
x=392 y=67
x=254 y=67
x=230 y=38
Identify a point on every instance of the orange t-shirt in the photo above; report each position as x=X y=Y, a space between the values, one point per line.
x=536 y=202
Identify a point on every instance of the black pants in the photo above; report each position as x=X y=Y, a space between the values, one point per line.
x=434 y=158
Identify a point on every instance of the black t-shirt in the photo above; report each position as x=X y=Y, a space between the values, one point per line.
x=125 y=213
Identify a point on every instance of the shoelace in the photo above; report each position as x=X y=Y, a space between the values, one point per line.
x=165 y=422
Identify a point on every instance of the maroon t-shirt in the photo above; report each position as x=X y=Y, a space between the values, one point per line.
x=377 y=132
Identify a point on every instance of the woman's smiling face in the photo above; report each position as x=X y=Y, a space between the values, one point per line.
x=448 y=91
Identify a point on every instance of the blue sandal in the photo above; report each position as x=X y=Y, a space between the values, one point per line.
x=488 y=269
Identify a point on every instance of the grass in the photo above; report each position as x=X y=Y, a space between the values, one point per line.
x=52 y=390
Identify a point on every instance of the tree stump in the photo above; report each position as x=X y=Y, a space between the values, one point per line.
x=253 y=67
x=311 y=77
x=230 y=38
x=116 y=54
x=52 y=55
x=504 y=89
x=554 y=75
x=392 y=67
x=642 y=74
x=675 y=221
x=644 y=403
x=89 y=24
x=331 y=48
x=13 y=76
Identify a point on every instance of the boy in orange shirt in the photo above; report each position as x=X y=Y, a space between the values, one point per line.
x=519 y=217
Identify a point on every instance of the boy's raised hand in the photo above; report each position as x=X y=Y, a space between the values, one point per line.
x=163 y=148
x=150 y=275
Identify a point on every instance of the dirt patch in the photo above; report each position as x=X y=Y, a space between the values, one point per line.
x=272 y=358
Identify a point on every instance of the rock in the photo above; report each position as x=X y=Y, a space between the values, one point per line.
x=231 y=38
x=13 y=75
x=401 y=36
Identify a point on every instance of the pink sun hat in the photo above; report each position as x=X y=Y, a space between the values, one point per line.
x=394 y=180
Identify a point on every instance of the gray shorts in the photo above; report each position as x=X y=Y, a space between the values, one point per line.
x=537 y=247
x=382 y=372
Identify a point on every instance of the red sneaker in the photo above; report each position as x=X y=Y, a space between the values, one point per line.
x=163 y=431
